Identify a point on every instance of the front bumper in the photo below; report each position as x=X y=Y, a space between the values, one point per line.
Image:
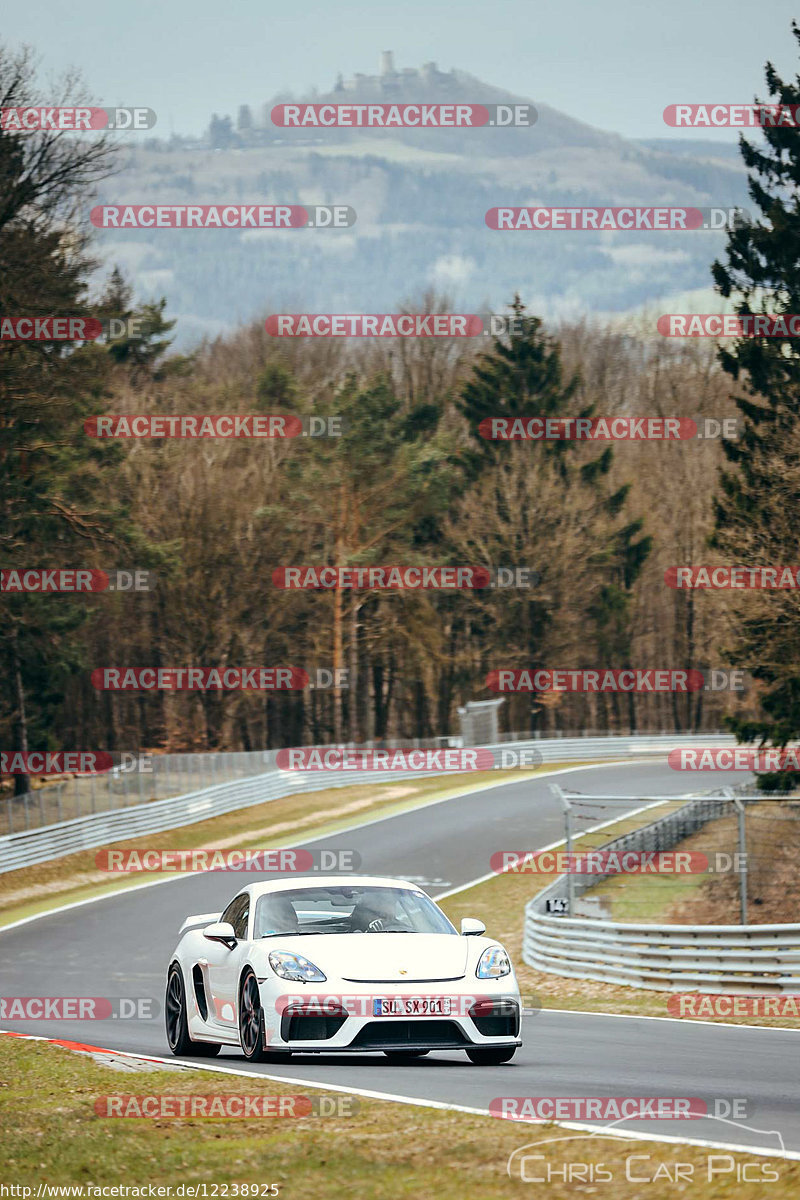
x=309 y=1021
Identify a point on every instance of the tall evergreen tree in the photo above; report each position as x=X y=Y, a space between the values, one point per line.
x=56 y=506
x=760 y=485
x=522 y=376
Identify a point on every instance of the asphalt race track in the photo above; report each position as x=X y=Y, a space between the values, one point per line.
x=120 y=946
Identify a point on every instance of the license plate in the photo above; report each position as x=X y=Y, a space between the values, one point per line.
x=412 y=1006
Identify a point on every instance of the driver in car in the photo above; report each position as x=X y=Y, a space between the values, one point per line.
x=374 y=914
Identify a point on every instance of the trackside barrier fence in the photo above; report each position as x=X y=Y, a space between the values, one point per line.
x=702 y=958
x=131 y=810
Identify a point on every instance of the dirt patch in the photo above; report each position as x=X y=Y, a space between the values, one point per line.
x=773 y=853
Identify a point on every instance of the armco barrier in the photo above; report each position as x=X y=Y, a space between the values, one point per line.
x=675 y=958
x=97 y=829
x=670 y=958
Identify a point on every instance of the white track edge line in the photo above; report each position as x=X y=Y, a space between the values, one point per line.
x=370 y=1094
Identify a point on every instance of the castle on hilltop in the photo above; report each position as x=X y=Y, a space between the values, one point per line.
x=390 y=80
x=256 y=128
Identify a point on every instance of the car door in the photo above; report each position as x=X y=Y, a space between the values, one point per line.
x=222 y=966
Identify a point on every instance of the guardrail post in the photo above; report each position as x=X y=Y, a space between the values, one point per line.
x=740 y=811
x=564 y=802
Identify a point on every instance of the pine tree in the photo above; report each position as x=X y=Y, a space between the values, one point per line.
x=760 y=487
x=139 y=342
x=522 y=376
x=57 y=508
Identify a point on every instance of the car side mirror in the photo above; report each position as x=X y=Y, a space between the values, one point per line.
x=221 y=931
x=471 y=927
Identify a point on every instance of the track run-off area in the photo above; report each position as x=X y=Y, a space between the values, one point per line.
x=120 y=945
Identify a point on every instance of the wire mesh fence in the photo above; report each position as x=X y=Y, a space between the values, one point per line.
x=154 y=777
x=139 y=779
x=717 y=859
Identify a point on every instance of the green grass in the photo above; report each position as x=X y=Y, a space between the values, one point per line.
x=644 y=899
x=500 y=903
x=386 y=1151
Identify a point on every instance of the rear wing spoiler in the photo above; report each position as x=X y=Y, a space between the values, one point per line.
x=200 y=919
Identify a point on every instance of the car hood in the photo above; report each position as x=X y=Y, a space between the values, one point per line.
x=381 y=957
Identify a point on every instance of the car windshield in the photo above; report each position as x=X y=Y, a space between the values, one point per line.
x=348 y=910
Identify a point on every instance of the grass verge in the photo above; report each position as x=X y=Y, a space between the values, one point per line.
x=773 y=847
x=500 y=903
x=386 y=1151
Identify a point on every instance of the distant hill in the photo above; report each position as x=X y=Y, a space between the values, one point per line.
x=420 y=196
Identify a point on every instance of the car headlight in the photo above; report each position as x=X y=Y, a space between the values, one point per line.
x=294 y=966
x=493 y=963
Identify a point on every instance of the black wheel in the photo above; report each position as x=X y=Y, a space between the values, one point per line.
x=401 y=1056
x=487 y=1056
x=251 y=1024
x=177 y=1025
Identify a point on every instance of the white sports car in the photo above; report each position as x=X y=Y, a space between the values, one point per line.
x=340 y=963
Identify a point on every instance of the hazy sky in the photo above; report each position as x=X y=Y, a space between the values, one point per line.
x=612 y=63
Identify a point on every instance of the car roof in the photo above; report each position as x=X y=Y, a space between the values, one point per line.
x=268 y=886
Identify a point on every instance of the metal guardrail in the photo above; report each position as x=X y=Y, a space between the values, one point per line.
x=54 y=840
x=139 y=779
x=670 y=958
x=700 y=958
